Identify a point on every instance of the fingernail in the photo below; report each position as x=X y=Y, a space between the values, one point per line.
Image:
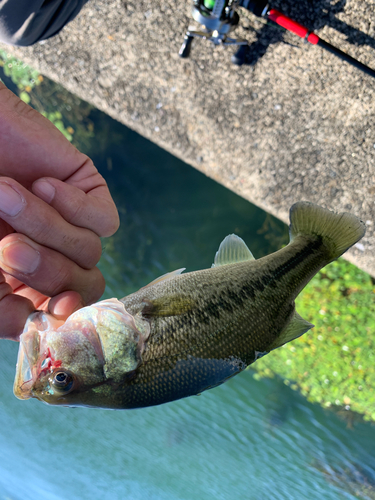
x=11 y=202
x=44 y=190
x=20 y=256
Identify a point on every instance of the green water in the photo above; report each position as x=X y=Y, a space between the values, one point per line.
x=256 y=440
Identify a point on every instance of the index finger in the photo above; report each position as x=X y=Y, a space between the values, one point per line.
x=83 y=206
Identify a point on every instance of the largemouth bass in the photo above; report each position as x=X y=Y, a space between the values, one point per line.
x=183 y=333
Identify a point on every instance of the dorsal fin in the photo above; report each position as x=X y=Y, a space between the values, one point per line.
x=295 y=328
x=164 y=277
x=231 y=250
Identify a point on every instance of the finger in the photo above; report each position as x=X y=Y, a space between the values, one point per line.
x=61 y=306
x=65 y=304
x=39 y=300
x=48 y=271
x=17 y=301
x=29 y=215
x=14 y=311
x=13 y=282
x=93 y=210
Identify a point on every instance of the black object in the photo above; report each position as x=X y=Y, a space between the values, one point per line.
x=346 y=57
x=254 y=6
x=239 y=57
x=219 y=17
x=186 y=46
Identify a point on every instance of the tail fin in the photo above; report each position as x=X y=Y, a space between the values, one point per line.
x=339 y=230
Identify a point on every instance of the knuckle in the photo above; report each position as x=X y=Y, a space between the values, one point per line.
x=93 y=287
x=86 y=252
x=59 y=281
x=85 y=177
x=42 y=232
x=75 y=209
x=23 y=109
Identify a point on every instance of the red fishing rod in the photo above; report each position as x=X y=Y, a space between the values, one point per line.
x=285 y=22
x=220 y=17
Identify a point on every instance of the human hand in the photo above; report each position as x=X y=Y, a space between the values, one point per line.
x=54 y=206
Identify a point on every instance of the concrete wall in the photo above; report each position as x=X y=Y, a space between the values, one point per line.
x=296 y=124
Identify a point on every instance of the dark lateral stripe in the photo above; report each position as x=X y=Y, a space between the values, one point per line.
x=249 y=290
x=228 y=300
x=298 y=258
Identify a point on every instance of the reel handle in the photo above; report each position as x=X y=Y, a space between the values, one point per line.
x=184 y=51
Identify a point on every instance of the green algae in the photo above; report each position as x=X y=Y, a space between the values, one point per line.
x=334 y=363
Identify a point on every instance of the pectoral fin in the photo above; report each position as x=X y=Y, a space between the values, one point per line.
x=295 y=328
x=165 y=277
x=167 y=306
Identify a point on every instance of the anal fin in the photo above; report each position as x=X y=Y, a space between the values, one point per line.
x=295 y=328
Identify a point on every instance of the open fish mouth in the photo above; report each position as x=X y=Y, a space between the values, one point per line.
x=32 y=350
x=105 y=333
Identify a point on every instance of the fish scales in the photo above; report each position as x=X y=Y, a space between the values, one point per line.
x=239 y=309
x=183 y=333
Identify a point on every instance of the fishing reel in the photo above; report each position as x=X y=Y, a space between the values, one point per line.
x=217 y=19
x=220 y=17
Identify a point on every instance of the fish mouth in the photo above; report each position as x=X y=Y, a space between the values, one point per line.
x=32 y=346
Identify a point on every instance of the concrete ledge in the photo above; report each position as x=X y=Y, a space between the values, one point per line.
x=296 y=125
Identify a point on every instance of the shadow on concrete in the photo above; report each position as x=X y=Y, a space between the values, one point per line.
x=314 y=15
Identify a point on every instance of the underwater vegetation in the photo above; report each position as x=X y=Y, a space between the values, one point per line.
x=352 y=478
x=66 y=111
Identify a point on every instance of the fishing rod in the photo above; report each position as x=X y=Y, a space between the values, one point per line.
x=218 y=18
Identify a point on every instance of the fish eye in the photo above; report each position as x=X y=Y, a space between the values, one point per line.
x=62 y=381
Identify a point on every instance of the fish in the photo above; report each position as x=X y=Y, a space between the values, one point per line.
x=183 y=333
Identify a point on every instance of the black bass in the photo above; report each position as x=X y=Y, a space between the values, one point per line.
x=183 y=333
